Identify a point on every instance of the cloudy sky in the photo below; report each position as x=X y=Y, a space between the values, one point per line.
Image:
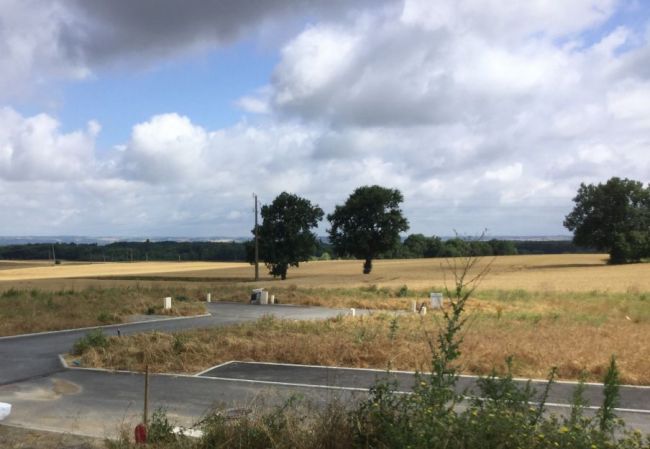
x=161 y=117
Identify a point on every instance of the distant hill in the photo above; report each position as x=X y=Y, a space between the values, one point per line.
x=106 y=240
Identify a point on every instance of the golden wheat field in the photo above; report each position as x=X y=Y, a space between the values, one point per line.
x=546 y=273
x=18 y=271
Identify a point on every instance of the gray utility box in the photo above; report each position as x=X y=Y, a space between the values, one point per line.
x=259 y=296
x=436 y=300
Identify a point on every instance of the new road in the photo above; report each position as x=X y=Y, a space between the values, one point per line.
x=47 y=395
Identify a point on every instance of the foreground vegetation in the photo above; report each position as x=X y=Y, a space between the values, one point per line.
x=434 y=415
x=25 y=311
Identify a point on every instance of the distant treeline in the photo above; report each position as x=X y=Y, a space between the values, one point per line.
x=127 y=251
x=414 y=246
x=418 y=245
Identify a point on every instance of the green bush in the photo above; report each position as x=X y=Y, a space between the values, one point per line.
x=93 y=339
x=160 y=430
x=403 y=291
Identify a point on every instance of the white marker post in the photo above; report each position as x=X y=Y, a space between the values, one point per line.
x=5 y=410
x=208 y=297
x=168 y=303
x=353 y=312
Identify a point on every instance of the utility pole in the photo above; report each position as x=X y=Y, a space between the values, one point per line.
x=53 y=254
x=257 y=250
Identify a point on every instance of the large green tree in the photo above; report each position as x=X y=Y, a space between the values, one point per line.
x=368 y=224
x=613 y=217
x=285 y=235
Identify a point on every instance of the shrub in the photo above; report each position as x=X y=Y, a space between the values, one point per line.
x=160 y=430
x=403 y=291
x=93 y=339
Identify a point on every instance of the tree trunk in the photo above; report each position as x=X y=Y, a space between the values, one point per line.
x=283 y=275
x=367 y=266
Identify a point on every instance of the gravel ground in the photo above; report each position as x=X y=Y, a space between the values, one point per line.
x=18 y=438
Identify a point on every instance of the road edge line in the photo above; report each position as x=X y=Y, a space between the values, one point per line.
x=466 y=376
x=301 y=385
x=200 y=373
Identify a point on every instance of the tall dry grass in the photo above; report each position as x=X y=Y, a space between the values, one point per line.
x=399 y=342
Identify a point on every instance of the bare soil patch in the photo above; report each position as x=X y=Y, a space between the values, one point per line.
x=19 y=438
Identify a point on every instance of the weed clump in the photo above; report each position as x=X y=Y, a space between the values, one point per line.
x=93 y=339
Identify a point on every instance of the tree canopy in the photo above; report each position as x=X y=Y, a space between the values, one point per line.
x=285 y=233
x=613 y=217
x=369 y=223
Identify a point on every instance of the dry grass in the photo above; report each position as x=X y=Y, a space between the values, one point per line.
x=571 y=337
x=25 y=311
x=572 y=311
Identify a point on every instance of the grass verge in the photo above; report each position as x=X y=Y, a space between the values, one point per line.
x=383 y=340
x=26 y=311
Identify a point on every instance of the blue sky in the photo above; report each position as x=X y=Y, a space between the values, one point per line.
x=203 y=86
x=162 y=120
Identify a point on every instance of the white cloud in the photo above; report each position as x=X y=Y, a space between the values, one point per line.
x=508 y=173
x=482 y=114
x=34 y=148
x=42 y=41
x=167 y=148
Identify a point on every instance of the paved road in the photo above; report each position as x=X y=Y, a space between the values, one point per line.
x=47 y=396
x=633 y=398
x=27 y=357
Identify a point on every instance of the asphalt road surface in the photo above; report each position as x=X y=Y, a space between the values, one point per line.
x=45 y=395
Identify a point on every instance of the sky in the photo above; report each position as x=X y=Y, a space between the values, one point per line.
x=161 y=117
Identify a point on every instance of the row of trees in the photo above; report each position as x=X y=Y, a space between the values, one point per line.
x=365 y=226
x=612 y=217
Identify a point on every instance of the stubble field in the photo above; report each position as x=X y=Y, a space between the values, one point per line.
x=566 y=272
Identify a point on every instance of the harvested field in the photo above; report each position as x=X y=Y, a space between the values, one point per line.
x=14 y=264
x=110 y=269
x=555 y=273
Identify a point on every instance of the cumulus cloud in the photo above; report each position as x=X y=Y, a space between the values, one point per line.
x=483 y=114
x=46 y=40
x=34 y=148
x=31 y=51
